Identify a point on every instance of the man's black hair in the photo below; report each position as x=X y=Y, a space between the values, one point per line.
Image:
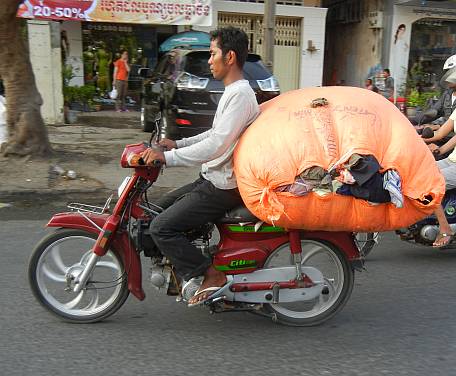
x=232 y=39
x=387 y=70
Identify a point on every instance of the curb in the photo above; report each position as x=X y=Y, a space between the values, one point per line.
x=83 y=195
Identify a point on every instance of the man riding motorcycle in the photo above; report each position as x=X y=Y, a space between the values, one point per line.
x=447 y=166
x=215 y=192
x=446 y=104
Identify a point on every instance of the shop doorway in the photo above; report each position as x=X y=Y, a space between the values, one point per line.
x=103 y=44
x=432 y=42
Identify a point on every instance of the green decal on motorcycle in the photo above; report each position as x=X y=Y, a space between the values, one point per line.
x=237 y=264
x=238 y=228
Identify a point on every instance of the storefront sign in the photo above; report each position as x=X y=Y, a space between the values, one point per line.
x=170 y=12
x=430 y=12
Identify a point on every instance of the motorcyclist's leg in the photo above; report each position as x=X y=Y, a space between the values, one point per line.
x=203 y=204
x=448 y=170
x=168 y=199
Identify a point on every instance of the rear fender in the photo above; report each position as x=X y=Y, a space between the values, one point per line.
x=343 y=240
x=121 y=243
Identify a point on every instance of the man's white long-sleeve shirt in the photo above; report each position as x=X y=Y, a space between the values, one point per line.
x=214 y=148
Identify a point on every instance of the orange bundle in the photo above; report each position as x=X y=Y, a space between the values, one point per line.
x=324 y=127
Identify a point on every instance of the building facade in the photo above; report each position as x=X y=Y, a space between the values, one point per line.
x=364 y=37
x=90 y=47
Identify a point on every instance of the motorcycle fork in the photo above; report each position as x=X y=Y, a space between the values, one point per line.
x=107 y=234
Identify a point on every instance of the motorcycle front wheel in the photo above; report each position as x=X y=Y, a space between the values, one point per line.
x=338 y=276
x=58 y=260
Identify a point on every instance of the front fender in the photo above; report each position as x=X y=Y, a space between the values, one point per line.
x=121 y=243
x=87 y=222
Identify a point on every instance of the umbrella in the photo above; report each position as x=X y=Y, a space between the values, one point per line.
x=194 y=39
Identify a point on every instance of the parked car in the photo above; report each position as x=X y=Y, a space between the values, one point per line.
x=182 y=90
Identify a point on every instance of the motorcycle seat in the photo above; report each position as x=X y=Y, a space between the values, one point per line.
x=239 y=215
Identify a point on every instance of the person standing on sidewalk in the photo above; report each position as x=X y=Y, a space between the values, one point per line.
x=120 y=81
x=388 y=91
x=215 y=192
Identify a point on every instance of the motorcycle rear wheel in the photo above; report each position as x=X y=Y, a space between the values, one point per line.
x=337 y=272
x=58 y=259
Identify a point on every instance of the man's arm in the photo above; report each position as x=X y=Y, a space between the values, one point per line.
x=449 y=145
x=187 y=141
x=232 y=122
x=442 y=132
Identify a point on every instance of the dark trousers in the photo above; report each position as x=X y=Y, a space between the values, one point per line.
x=186 y=208
x=121 y=87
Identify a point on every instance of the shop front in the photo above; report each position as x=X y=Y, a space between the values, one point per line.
x=422 y=38
x=81 y=39
x=103 y=43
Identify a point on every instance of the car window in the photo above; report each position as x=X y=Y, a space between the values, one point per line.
x=196 y=63
x=254 y=68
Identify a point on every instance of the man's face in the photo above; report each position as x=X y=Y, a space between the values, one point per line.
x=217 y=65
x=451 y=85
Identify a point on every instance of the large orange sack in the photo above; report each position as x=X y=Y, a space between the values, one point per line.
x=290 y=136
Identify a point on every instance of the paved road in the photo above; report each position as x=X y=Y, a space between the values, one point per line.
x=399 y=321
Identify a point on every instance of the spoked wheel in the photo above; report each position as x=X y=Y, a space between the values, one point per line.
x=338 y=277
x=56 y=262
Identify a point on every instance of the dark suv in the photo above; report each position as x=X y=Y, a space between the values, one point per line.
x=183 y=91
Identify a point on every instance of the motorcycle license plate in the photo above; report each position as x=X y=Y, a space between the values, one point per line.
x=123 y=185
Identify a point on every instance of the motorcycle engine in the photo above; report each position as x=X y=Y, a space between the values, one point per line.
x=429 y=232
x=162 y=276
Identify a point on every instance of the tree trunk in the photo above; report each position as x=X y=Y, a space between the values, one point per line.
x=27 y=134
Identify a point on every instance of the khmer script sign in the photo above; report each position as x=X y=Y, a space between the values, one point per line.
x=170 y=12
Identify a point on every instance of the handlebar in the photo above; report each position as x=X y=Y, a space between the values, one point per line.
x=136 y=160
x=131 y=156
x=427 y=132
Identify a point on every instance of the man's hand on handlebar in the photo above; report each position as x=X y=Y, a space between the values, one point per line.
x=150 y=155
x=168 y=144
x=434 y=148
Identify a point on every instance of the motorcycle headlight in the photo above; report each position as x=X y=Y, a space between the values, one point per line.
x=189 y=81
x=269 y=84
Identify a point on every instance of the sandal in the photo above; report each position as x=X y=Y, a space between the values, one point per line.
x=209 y=291
x=443 y=239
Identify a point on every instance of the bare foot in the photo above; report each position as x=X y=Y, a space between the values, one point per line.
x=212 y=278
x=443 y=239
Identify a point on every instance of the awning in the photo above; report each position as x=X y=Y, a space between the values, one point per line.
x=193 y=39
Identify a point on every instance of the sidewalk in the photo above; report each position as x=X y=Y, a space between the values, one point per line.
x=93 y=153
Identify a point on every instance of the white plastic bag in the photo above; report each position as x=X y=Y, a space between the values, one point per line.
x=113 y=93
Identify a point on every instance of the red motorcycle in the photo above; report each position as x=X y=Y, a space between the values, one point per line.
x=85 y=270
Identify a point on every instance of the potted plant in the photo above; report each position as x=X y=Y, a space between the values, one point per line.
x=68 y=94
x=413 y=101
x=87 y=93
